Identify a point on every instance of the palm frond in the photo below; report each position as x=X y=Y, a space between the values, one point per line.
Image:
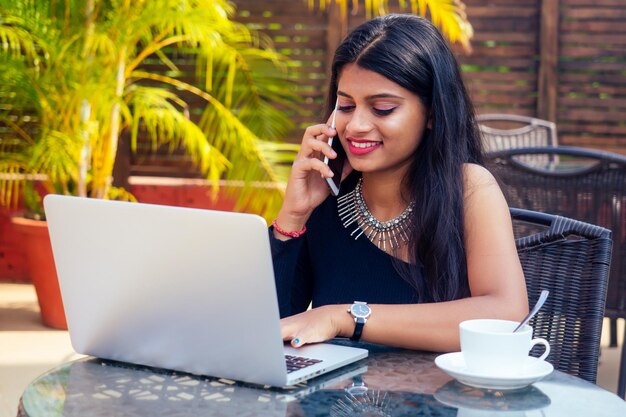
x=19 y=90
x=280 y=155
x=13 y=166
x=448 y=15
x=236 y=142
x=249 y=82
x=190 y=27
x=226 y=130
x=264 y=199
x=15 y=139
x=18 y=42
x=155 y=111
x=99 y=44
x=120 y=194
x=56 y=154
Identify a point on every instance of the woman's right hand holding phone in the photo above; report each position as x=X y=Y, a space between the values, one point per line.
x=307 y=188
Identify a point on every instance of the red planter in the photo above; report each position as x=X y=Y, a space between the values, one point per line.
x=40 y=264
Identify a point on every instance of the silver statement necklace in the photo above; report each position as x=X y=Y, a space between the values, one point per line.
x=353 y=211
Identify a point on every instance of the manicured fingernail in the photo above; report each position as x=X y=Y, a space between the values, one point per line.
x=333 y=153
x=330 y=174
x=296 y=341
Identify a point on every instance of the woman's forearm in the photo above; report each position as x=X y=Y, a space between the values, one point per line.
x=433 y=326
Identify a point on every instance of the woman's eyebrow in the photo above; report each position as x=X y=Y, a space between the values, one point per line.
x=374 y=96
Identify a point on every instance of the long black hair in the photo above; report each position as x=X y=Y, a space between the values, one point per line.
x=411 y=52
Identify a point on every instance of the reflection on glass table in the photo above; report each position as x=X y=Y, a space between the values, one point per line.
x=390 y=382
x=471 y=402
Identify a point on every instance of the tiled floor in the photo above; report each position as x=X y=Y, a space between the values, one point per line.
x=28 y=349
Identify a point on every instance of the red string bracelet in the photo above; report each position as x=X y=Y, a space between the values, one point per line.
x=286 y=233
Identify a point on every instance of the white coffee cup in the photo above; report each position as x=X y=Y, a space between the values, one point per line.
x=490 y=347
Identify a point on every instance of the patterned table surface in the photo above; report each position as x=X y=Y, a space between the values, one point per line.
x=390 y=382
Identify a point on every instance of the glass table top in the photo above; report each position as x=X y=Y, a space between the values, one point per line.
x=390 y=382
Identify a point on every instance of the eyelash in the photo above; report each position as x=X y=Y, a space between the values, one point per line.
x=385 y=112
x=379 y=112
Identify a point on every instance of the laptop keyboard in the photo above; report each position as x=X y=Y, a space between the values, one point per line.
x=295 y=363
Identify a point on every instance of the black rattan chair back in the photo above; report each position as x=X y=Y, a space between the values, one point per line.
x=570 y=259
x=585 y=184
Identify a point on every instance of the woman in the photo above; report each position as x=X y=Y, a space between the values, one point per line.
x=420 y=234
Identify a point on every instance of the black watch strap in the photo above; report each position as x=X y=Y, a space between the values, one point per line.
x=358 y=329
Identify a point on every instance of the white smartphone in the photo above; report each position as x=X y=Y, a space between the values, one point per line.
x=335 y=165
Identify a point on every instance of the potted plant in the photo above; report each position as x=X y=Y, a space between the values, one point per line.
x=74 y=77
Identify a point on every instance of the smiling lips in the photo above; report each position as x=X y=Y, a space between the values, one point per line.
x=362 y=147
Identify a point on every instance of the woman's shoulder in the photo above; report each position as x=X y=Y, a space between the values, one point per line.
x=480 y=184
x=475 y=175
x=478 y=180
x=481 y=190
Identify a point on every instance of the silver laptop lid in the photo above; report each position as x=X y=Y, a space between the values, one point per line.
x=153 y=285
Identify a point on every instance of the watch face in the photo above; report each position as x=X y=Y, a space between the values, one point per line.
x=357 y=390
x=360 y=310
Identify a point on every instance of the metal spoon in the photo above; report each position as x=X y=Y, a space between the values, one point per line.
x=542 y=299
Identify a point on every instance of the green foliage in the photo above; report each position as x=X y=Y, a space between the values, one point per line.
x=32 y=202
x=74 y=77
x=448 y=15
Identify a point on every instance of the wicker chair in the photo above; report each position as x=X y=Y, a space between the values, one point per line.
x=506 y=131
x=571 y=260
x=586 y=185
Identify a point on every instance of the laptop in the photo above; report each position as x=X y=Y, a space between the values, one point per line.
x=177 y=288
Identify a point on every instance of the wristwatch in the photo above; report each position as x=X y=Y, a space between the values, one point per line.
x=358 y=387
x=360 y=311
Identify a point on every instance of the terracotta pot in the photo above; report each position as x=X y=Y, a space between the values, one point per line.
x=40 y=263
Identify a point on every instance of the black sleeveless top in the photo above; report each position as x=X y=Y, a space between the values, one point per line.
x=328 y=266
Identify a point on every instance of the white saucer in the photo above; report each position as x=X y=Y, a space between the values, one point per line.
x=454 y=365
